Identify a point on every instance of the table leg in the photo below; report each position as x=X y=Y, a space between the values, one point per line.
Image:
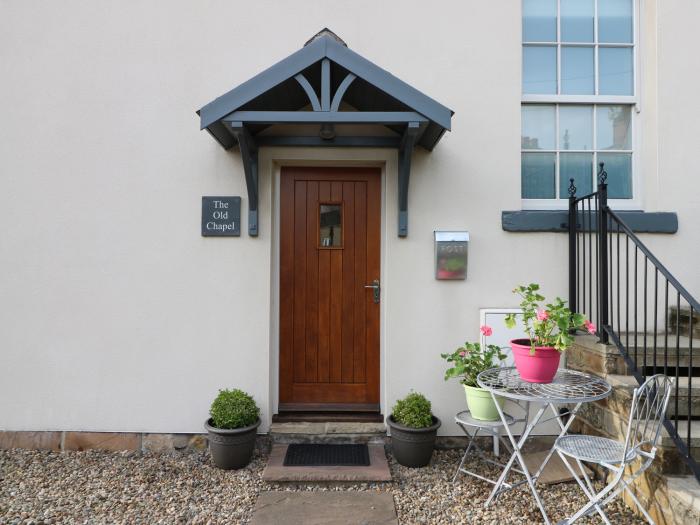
x=564 y=429
x=466 y=452
x=517 y=446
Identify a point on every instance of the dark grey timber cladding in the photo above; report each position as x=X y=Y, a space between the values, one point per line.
x=558 y=221
x=221 y=216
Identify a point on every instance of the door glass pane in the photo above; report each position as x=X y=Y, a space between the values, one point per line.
x=577 y=70
x=540 y=70
x=330 y=225
x=537 y=175
x=615 y=21
x=577 y=166
x=577 y=20
x=615 y=75
x=613 y=127
x=619 y=169
x=539 y=20
x=537 y=131
x=576 y=127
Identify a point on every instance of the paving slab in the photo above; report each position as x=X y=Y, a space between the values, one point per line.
x=378 y=469
x=555 y=471
x=324 y=508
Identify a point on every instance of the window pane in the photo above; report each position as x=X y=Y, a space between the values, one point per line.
x=615 y=76
x=576 y=127
x=615 y=21
x=619 y=169
x=330 y=225
x=577 y=166
x=537 y=129
x=577 y=20
x=540 y=70
x=539 y=20
x=537 y=175
x=577 y=70
x=613 y=127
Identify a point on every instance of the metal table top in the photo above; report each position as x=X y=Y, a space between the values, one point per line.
x=568 y=386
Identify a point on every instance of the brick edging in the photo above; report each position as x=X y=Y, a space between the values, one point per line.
x=62 y=441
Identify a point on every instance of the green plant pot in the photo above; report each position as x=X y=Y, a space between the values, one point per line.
x=481 y=403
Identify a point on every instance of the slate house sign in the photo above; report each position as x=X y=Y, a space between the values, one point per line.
x=221 y=216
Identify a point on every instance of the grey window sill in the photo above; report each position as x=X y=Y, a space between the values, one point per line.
x=558 y=221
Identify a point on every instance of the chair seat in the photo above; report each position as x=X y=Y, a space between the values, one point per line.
x=465 y=418
x=593 y=448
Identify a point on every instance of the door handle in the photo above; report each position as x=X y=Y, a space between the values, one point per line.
x=375 y=287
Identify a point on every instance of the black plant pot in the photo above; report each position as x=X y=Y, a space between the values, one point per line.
x=413 y=447
x=231 y=448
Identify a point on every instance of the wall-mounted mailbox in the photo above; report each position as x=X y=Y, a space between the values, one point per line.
x=451 y=250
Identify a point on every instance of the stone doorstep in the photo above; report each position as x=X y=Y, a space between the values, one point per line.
x=330 y=427
x=378 y=469
x=327 y=508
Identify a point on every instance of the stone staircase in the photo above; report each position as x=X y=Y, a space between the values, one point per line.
x=667 y=489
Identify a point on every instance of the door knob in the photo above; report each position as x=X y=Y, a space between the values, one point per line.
x=375 y=287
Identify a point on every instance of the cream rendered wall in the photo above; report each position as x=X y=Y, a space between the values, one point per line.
x=116 y=315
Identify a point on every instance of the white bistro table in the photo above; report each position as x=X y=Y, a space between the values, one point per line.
x=569 y=387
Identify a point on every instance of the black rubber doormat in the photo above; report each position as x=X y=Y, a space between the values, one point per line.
x=322 y=455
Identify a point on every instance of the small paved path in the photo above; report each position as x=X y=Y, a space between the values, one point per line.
x=324 y=508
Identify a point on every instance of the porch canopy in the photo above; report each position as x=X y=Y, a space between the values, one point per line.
x=319 y=87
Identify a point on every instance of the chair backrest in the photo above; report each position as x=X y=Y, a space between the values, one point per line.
x=648 y=409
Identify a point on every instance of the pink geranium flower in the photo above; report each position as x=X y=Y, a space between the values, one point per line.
x=590 y=327
x=486 y=330
x=462 y=354
x=542 y=315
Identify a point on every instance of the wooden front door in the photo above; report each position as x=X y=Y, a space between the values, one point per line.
x=329 y=320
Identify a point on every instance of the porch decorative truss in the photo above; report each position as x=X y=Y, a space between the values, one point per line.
x=310 y=95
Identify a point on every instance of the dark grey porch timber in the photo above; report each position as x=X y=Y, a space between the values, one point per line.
x=325 y=117
x=326 y=77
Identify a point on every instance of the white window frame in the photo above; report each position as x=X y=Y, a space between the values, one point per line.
x=557 y=203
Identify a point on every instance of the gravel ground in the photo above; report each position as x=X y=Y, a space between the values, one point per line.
x=102 y=487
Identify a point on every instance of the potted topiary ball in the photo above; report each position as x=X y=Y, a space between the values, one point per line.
x=232 y=429
x=413 y=430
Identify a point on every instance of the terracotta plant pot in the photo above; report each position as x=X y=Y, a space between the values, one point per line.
x=231 y=448
x=413 y=447
x=538 y=368
x=480 y=403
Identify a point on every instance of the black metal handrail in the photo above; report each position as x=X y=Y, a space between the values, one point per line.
x=614 y=279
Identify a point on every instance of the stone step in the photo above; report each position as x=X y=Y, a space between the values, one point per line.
x=327 y=432
x=623 y=386
x=682 y=320
x=684 y=498
x=602 y=419
x=589 y=355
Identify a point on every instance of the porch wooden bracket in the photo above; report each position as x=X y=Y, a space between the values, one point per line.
x=249 y=156
x=408 y=141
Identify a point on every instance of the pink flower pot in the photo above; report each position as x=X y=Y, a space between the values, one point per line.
x=538 y=368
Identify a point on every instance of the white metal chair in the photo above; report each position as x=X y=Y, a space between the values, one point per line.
x=647 y=411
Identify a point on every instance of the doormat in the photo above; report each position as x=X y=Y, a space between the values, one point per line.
x=322 y=455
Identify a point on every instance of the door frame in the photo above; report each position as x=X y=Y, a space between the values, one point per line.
x=271 y=162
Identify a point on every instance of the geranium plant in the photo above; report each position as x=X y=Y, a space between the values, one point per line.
x=547 y=324
x=470 y=360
